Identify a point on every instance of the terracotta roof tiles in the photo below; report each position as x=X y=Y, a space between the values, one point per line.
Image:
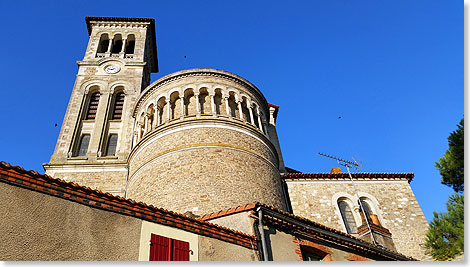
x=358 y=175
x=32 y=180
x=280 y=223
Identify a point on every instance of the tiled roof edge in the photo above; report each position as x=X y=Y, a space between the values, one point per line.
x=255 y=205
x=370 y=175
x=226 y=212
x=272 y=105
x=345 y=235
x=43 y=183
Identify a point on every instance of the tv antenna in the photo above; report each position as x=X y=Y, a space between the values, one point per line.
x=350 y=164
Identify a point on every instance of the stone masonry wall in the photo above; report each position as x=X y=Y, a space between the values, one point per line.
x=397 y=207
x=207 y=170
x=205 y=180
x=197 y=136
x=113 y=182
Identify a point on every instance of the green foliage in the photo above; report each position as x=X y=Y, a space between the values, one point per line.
x=445 y=237
x=451 y=166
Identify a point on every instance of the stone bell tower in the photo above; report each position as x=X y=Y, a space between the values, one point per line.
x=95 y=139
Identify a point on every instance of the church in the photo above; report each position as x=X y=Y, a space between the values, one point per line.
x=189 y=168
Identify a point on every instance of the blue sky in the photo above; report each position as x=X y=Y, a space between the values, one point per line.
x=392 y=70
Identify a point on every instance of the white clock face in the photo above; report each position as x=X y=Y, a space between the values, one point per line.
x=112 y=69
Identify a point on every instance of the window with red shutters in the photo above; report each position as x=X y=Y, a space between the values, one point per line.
x=180 y=250
x=168 y=249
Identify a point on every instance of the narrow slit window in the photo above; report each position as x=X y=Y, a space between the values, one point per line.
x=93 y=106
x=117 y=45
x=103 y=44
x=130 y=45
x=83 y=147
x=118 y=106
x=112 y=144
x=348 y=217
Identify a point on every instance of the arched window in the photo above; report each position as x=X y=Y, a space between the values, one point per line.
x=93 y=106
x=103 y=44
x=112 y=144
x=219 y=106
x=232 y=105
x=118 y=106
x=348 y=217
x=130 y=45
x=204 y=102
x=117 y=44
x=368 y=211
x=83 y=147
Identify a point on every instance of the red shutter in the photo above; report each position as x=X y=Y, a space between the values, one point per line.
x=167 y=249
x=160 y=248
x=180 y=250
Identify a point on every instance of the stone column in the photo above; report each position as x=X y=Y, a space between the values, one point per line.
x=135 y=138
x=148 y=125
x=108 y=51
x=259 y=119
x=197 y=104
x=265 y=127
x=139 y=132
x=240 y=113
x=182 y=106
x=123 y=48
x=227 y=108
x=167 y=110
x=155 y=117
x=145 y=124
x=213 y=105
x=251 y=114
x=100 y=125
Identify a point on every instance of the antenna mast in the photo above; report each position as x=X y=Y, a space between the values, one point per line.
x=349 y=164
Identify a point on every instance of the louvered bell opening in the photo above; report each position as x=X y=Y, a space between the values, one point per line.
x=118 y=106
x=93 y=106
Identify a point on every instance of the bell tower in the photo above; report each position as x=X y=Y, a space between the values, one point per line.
x=95 y=139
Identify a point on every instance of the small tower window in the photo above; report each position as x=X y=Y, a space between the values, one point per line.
x=112 y=144
x=117 y=45
x=130 y=44
x=348 y=217
x=118 y=106
x=93 y=106
x=312 y=254
x=83 y=147
x=103 y=44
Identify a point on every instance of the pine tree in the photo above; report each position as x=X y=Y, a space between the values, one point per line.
x=451 y=165
x=445 y=238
